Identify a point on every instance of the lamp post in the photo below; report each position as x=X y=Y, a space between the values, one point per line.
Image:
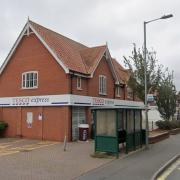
x=145 y=75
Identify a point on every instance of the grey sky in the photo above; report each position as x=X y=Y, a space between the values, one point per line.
x=119 y=22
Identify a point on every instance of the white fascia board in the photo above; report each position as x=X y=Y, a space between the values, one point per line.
x=110 y=63
x=79 y=74
x=14 y=47
x=68 y=100
x=112 y=66
x=50 y=50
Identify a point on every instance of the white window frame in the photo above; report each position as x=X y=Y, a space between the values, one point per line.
x=102 y=85
x=118 y=91
x=79 y=84
x=24 y=75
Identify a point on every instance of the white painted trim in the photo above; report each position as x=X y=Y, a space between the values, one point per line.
x=25 y=34
x=92 y=74
x=112 y=66
x=79 y=74
x=50 y=50
x=14 y=48
x=109 y=60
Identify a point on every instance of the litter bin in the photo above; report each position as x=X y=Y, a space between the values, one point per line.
x=83 y=132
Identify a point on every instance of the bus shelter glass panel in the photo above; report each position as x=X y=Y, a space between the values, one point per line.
x=106 y=123
x=137 y=120
x=130 y=130
x=106 y=131
x=137 y=133
x=120 y=120
x=130 y=121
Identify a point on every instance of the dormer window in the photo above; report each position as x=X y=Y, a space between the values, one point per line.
x=30 y=80
x=79 y=83
x=102 y=85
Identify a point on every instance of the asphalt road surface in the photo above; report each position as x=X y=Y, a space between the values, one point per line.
x=175 y=173
x=139 y=166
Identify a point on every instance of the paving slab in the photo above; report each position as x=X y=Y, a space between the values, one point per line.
x=50 y=162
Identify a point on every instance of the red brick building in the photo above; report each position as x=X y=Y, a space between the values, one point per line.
x=48 y=83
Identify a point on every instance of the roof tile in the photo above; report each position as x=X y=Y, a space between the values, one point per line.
x=76 y=56
x=122 y=74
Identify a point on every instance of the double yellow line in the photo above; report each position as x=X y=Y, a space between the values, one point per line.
x=169 y=170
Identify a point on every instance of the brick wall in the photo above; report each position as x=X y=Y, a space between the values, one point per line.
x=93 y=83
x=84 y=88
x=32 y=55
x=55 y=123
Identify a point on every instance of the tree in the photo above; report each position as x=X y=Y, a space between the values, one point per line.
x=166 y=100
x=135 y=63
x=158 y=80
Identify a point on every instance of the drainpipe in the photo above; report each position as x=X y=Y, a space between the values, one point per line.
x=70 y=107
x=124 y=86
x=114 y=91
x=71 y=89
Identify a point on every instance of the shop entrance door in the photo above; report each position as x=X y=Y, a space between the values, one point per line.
x=78 y=117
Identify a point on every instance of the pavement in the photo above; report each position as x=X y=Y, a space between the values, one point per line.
x=138 y=166
x=23 y=159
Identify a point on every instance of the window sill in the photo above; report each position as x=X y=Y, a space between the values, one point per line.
x=28 y=88
x=79 y=89
x=103 y=94
x=129 y=97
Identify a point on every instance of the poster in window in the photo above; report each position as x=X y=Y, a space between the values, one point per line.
x=29 y=119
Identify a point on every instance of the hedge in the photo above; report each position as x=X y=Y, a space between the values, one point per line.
x=168 y=125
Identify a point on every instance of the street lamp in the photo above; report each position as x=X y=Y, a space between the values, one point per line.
x=145 y=74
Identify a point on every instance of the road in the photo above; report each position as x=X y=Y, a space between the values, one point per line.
x=138 y=166
x=173 y=173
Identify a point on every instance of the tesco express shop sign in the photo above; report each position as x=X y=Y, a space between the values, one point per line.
x=26 y=101
x=101 y=102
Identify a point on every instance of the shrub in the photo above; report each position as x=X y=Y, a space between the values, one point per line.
x=168 y=125
x=3 y=125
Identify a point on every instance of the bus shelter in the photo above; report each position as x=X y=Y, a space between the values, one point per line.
x=116 y=125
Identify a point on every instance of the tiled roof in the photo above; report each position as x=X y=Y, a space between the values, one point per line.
x=76 y=56
x=70 y=52
x=91 y=57
x=66 y=49
x=122 y=74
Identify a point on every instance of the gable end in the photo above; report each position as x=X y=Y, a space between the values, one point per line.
x=26 y=31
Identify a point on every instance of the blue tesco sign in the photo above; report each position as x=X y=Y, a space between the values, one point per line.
x=150 y=98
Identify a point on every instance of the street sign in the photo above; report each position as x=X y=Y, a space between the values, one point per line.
x=150 y=98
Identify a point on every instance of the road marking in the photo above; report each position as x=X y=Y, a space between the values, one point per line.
x=28 y=147
x=11 y=142
x=167 y=172
x=8 y=153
